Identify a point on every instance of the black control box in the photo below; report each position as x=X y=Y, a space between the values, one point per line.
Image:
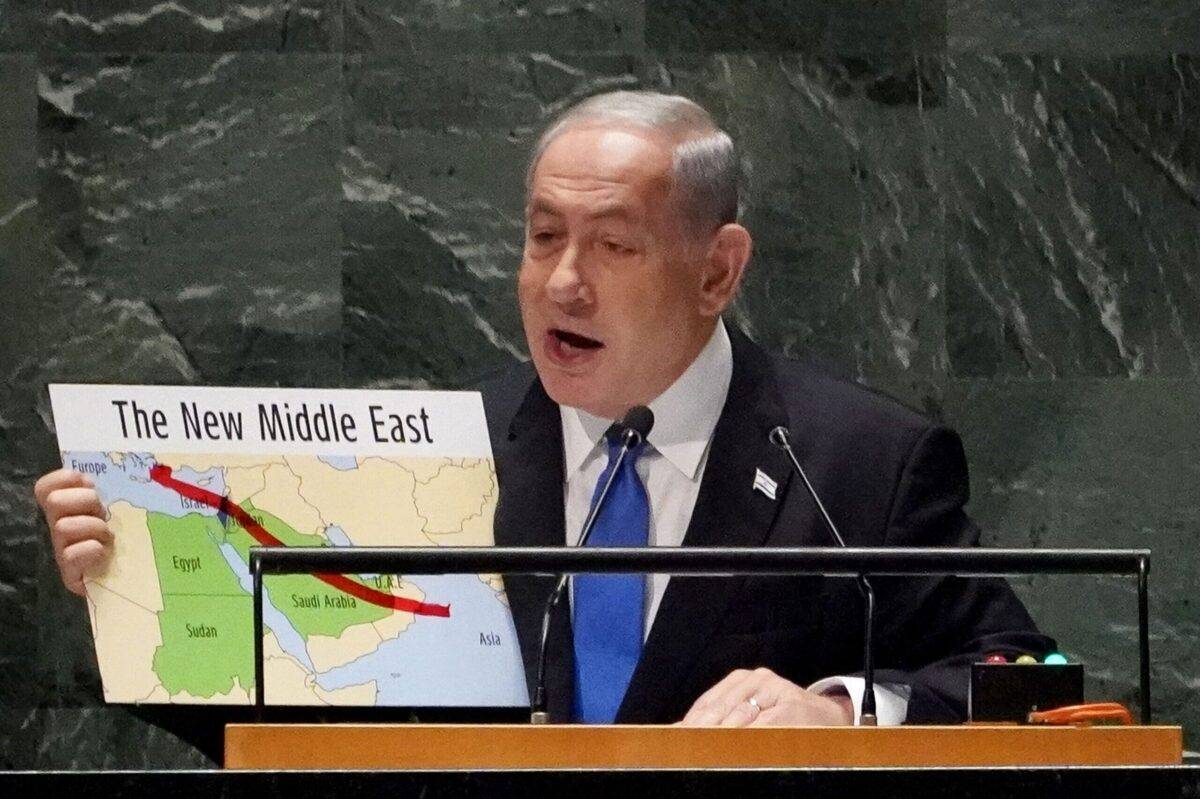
x=1010 y=691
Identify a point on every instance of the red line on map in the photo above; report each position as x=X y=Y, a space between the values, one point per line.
x=161 y=474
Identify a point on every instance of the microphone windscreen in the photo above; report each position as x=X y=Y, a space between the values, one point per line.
x=640 y=419
x=779 y=437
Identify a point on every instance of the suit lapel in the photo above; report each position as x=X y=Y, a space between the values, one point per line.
x=530 y=513
x=729 y=512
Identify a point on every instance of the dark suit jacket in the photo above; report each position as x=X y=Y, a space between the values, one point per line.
x=887 y=476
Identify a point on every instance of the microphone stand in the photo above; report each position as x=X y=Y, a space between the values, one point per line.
x=779 y=437
x=538 y=714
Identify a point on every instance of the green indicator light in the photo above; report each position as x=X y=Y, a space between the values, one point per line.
x=1055 y=659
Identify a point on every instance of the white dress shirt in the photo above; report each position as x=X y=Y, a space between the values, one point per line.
x=671 y=467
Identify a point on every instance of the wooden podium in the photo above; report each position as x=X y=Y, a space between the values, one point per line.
x=500 y=747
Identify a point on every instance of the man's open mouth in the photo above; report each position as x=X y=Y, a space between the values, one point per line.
x=575 y=340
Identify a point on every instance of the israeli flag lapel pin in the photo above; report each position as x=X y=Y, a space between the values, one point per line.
x=764 y=484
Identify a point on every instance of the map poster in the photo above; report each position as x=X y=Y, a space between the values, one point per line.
x=192 y=477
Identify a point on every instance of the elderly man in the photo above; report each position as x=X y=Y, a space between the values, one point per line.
x=632 y=253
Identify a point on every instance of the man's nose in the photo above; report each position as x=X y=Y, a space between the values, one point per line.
x=566 y=285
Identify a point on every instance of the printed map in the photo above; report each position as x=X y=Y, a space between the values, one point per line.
x=172 y=611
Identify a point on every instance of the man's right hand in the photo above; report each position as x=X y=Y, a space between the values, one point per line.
x=78 y=530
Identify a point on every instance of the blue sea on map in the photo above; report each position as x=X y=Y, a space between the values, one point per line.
x=130 y=481
x=343 y=463
x=289 y=639
x=337 y=536
x=436 y=663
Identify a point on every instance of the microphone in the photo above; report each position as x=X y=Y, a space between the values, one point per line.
x=632 y=431
x=779 y=437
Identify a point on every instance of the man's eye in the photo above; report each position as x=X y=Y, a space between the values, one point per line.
x=544 y=237
x=617 y=248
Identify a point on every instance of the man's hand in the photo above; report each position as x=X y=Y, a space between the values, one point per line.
x=78 y=530
x=777 y=702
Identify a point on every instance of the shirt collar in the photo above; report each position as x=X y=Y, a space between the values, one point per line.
x=685 y=415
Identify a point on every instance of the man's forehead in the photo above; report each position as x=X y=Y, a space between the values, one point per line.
x=548 y=203
x=620 y=155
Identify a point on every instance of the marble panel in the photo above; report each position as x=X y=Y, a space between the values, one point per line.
x=199 y=193
x=19 y=261
x=18 y=25
x=841 y=160
x=865 y=27
x=189 y=26
x=395 y=27
x=416 y=315
x=1097 y=463
x=1082 y=27
x=515 y=93
x=1073 y=229
x=18 y=193
x=100 y=738
x=80 y=336
x=21 y=541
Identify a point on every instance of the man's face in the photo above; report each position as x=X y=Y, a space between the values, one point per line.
x=609 y=285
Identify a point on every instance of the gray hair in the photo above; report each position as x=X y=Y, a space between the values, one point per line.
x=704 y=174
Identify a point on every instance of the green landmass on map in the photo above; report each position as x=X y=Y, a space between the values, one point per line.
x=187 y=557
x=207 y=621
x=312 y=607
x=207 y=643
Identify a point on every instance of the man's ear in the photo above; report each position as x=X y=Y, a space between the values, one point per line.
x=724 y=266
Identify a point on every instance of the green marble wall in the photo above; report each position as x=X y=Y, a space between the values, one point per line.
x=990 y=209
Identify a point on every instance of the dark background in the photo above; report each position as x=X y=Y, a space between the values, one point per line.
x=988 y=208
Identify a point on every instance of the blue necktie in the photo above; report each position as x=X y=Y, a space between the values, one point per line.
x=608 y=609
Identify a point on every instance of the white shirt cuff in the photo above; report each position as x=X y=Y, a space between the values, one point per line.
x=891 y=699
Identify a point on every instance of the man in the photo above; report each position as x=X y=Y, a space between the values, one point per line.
x=632 y=253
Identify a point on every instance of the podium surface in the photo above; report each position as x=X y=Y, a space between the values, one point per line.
x=548 y=747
